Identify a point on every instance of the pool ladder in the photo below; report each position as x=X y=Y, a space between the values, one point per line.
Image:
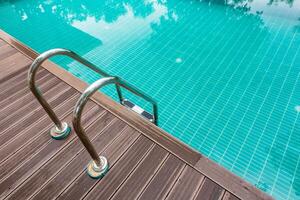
x=98 y=166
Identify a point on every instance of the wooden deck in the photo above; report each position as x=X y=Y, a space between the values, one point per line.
x=145 y=162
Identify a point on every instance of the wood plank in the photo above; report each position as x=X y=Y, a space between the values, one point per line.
x=4 y=45
x=30 y=133
x=134 y=184
x=16 y=90
x=33 y=139
x=50 y=151
x=77 y=167
x=10 y=73
x=2 y=42
x=124 y=166
x=63 y=158
x=24 y=93
x=187 y=185
x=13 y=64
x=229 y=181
x=209 y=190
x=9 y=63
x=16 y=105
x=229 y=196
x=83 y=184
x=6 y=50
x=164 y=179
x=16 y=78
x=11 y=60
x=15 y=123
x=19 y=82
x=26 y=148
x=48 y=83
x=6 y=79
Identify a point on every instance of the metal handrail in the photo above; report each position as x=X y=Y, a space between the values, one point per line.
x=98 y=166
x=121 y=83
x=62 y=129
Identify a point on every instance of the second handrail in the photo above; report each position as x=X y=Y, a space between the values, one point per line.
x=98 y=166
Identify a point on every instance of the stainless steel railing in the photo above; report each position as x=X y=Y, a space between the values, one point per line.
x=99 y=164
x=62 y=129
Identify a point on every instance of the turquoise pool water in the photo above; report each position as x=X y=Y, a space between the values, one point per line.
x=225 y=73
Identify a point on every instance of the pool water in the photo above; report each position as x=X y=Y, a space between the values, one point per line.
x=225 y=74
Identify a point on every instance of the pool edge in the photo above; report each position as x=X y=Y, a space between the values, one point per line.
x=214 y=171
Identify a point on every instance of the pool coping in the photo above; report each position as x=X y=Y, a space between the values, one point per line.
x=214 y=171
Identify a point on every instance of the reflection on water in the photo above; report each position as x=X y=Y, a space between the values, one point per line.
x=289 y=2
x=155 y=43
x=77 y=10
x=124 y=30
x=109 y=11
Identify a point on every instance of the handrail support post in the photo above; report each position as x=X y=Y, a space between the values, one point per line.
x=98 y=166
x=119 y=92
x=61 y=129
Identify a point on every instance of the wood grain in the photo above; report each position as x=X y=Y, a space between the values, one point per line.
x=187 y=185
x=164 y=179
x=209 y=190
x=119 y=172
x=135 y=183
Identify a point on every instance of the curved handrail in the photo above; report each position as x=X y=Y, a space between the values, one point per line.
x=97 y=162
x=139 y=93
x=61 y=128
x=40 y=60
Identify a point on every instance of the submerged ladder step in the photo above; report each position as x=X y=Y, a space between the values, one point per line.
x=127 y=103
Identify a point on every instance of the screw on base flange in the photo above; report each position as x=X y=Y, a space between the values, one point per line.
x=60 y=134
x=95 y=171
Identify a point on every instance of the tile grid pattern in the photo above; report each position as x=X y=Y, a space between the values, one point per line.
x=203 y=130
x=226 y=85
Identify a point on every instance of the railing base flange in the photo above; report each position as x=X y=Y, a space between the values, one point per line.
x=98 y=172
x=60 y=134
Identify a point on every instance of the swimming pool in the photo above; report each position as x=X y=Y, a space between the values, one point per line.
x=225 y=75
